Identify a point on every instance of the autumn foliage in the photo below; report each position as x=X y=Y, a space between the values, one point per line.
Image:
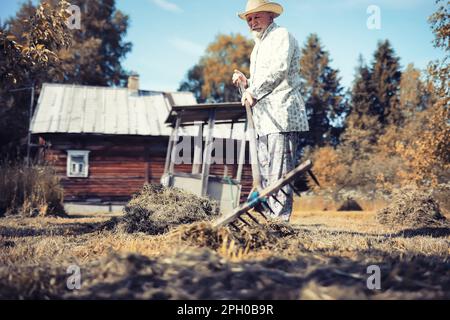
x=210 y=79
x=401 y=141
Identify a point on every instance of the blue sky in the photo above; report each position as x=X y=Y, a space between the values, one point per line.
x=169 y=36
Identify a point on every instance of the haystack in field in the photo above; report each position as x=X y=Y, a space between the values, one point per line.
x=411 y=207
x=265 y=235
x=157 y=209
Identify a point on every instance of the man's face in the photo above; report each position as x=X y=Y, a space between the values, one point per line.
x=259 y=21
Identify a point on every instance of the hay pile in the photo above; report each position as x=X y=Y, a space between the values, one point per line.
x=202 y=234
x=350 y=205
x=157 y=209
x=411 y=207
x=266 y=235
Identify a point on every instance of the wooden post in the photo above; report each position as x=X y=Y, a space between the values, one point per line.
x=208 y=151
x=30 y=115
x=174 y=146
x=227 y=147
x=198 y=146
x=168 y=165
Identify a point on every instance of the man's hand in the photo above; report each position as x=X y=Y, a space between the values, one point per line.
x=247 y=99
x=239 y=77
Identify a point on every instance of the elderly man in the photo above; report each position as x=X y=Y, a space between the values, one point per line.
x=273 y=92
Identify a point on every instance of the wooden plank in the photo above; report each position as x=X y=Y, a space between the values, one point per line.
x=197 y=163
x=208 y=151
x=229 y=147
x=200 y=112
x=168 y=165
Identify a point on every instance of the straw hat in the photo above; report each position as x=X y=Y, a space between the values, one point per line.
x=261 y=6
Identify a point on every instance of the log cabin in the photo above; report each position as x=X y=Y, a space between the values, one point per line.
x=106 y=143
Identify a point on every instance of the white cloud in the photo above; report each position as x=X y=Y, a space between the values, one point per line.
x=187 y=46
x=166 y=5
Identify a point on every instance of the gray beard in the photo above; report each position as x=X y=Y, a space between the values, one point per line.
x=257 y=35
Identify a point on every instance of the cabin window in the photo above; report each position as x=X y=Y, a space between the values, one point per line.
x=77 y=164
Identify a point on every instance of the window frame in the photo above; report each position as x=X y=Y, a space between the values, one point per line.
x=78 y=153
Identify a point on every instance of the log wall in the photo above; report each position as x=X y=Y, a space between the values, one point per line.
x=119 y=165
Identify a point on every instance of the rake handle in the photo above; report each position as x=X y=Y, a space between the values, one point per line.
x=256 y=173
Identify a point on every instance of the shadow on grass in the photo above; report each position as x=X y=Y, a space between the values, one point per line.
x=435 y=232
x=69 y=229
x=206 y=276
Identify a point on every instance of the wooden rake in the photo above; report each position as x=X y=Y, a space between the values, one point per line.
x=255 y=203
x=257 y=200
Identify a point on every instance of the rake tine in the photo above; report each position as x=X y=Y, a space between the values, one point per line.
x=275 y=198
x=245 y=222
x=284 y=192
x=253 y=218
x=234 y=226
x=261 y=213
x=311 y=174
x=265 y=205
x=295 y=190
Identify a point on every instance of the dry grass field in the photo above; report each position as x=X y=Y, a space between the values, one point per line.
x=321 y=255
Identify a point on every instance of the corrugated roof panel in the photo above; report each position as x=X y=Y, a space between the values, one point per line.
x=99 y=124
x=90 y=114
x=183 y=98
x=150 y=114
x=40 y=120
x=143 y=127
x=124 y=112
x=77 y=105
x=66 y=108
x=110 y=117
x=132 y=112
x=159 y=107
x=56 y=109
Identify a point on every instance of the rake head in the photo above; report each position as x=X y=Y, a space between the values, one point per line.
x=257 y=201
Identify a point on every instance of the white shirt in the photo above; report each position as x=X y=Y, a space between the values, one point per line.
x=275 y=83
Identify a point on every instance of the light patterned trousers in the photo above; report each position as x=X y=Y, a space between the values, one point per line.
x=278 y=154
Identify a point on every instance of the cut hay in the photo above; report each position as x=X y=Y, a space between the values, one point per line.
x=157 y=209
x=411 y=207
x=202 y=234
x=265 y=235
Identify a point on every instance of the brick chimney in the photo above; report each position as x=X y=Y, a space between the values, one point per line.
x=133 y=82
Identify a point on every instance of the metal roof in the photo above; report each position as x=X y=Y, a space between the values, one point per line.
x=224 y=112
x=113 y=111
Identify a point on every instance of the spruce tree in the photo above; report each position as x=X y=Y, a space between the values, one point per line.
x=385 y=78
x=362 y=125
x=322 y=93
